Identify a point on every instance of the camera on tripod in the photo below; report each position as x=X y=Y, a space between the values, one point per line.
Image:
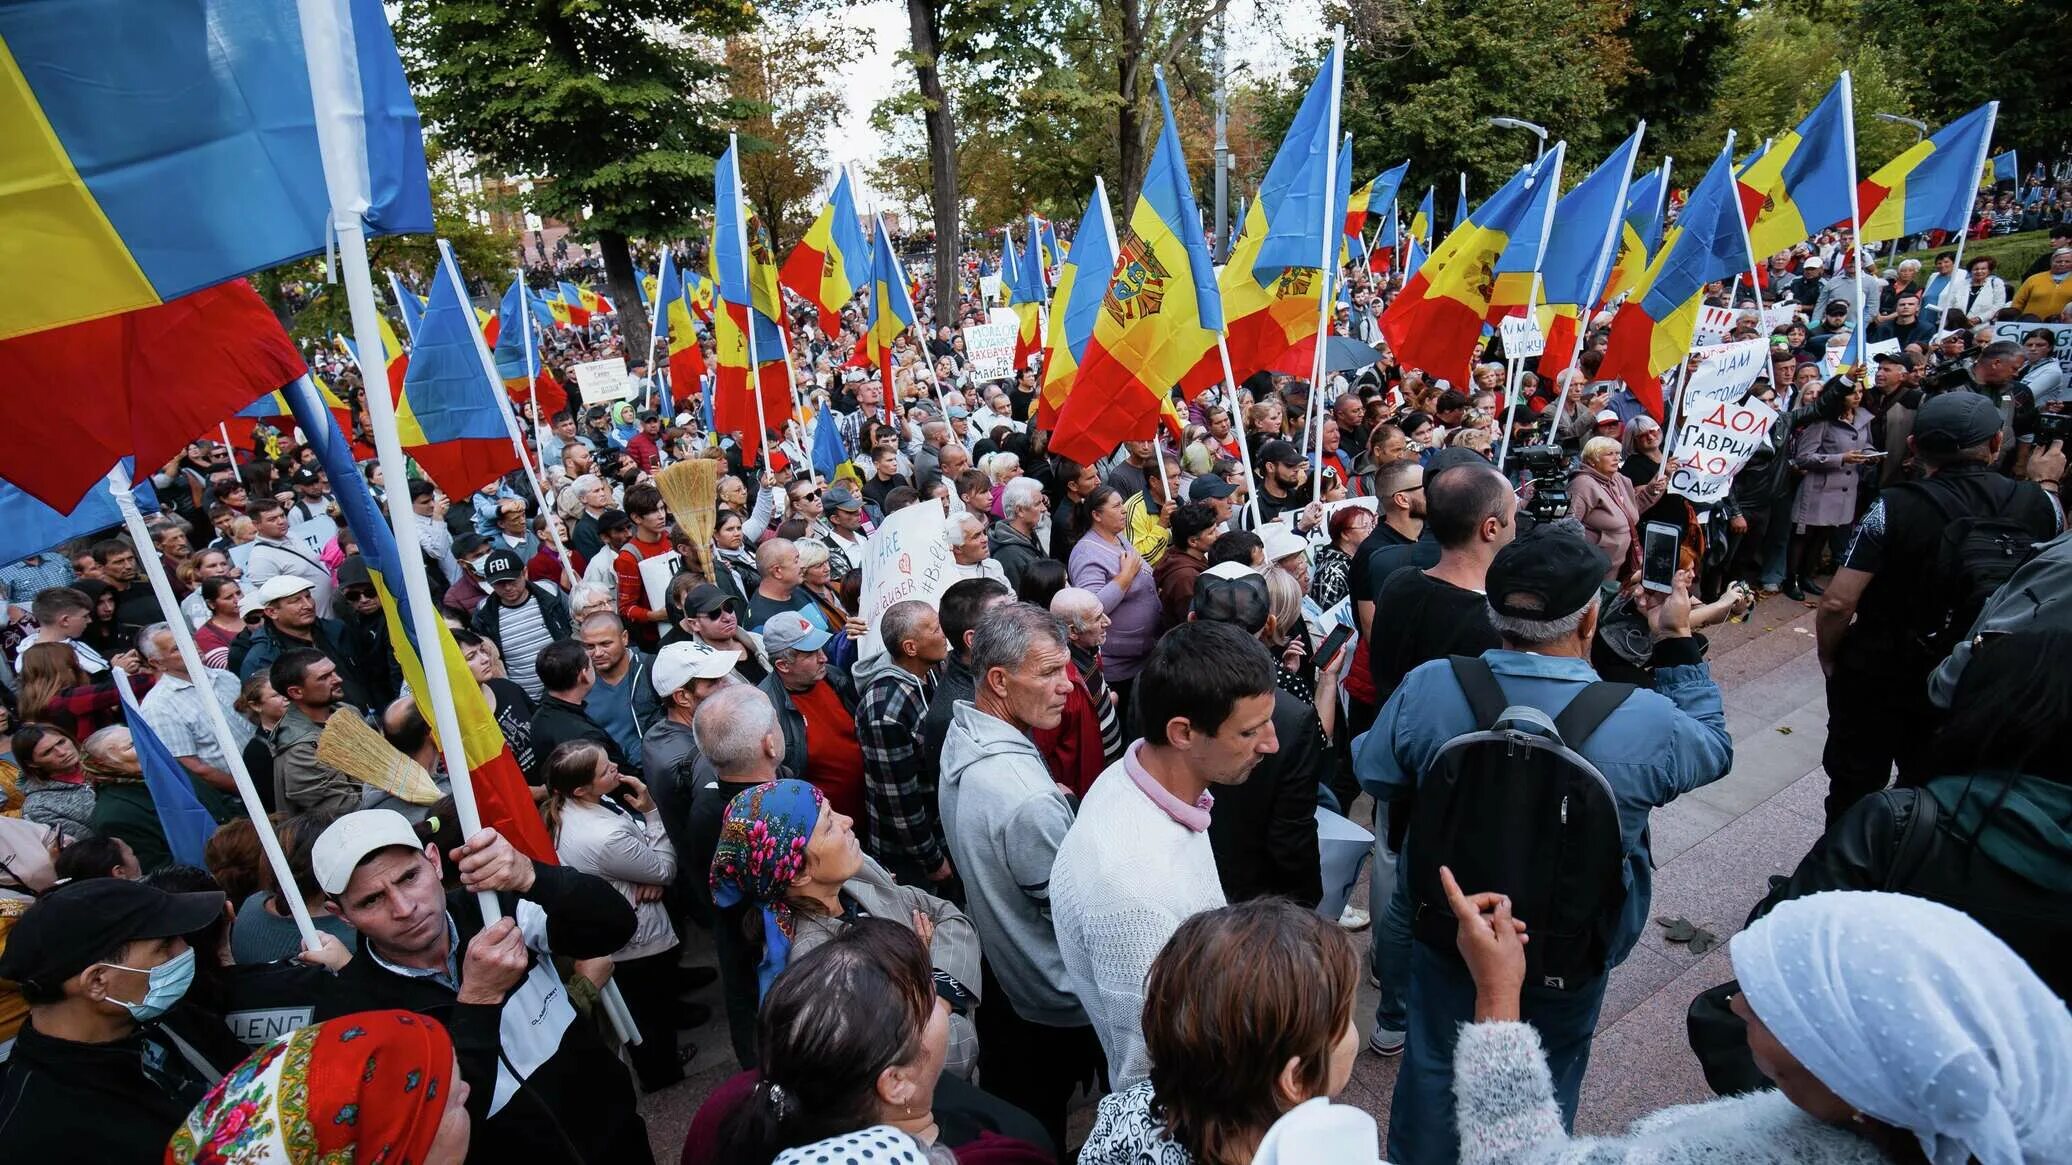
x=1546 y=467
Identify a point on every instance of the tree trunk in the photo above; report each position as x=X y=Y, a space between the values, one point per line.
x=625 y=287
x=942 y=157
x=1129 y=139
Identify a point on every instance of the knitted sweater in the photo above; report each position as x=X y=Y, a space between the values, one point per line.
x=1124 y=880
x=1507 y=1116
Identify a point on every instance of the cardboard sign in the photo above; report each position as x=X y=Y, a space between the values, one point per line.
x=990 y=349
x=1778 y=316
x=604 y=380
x=655 y=574
x=1713 y=442
x=1522 y=337
x=907 y=558
x=1724 y=372
x=989 y=287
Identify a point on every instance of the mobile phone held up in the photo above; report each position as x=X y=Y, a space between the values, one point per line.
x=1659 y=544
x=1333 y=643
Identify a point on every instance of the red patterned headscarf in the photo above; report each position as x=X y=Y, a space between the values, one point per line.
x=357 y=1090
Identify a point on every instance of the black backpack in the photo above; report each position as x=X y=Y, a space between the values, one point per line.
x=1982 y=545
x=1514 y=808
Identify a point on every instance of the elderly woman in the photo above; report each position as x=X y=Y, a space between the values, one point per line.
x=1643 y=451
x=785 y=852
x=1332 y=579
x=1828 y=451
x=1106 y=562
x=1609 y=505
x=1895 y=1029
x=1249 y=1014
x=122 y=802
x=604 y=823
x=1000 y=469
x=378 y=1085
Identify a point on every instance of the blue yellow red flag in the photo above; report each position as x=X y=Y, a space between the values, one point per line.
x=676 y=332
x=1081 y=286
x=1640 y=232
x=449 y=416
x=2004 y=168
x=1928 y=187
x=409 y=306
x=832 y=261
x=891 y=312
x=745 y=332
x=1161 y=313
x=157 y=149
x=1304 y=218
x=1047 y=245
x=1579 y=252
x=1030 y=298
x=1378 y=194
x=1518 y=266
x=1804 y=181
x=501 y=794
x=1420 y=234
x=1008 y=274
x=1652 y=332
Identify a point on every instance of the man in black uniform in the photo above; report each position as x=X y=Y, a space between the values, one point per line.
x=1892 y=586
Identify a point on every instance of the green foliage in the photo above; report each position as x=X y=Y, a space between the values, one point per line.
x=2012 y=253
x=1679 y=50
x=791 y=113
x=1960 y=54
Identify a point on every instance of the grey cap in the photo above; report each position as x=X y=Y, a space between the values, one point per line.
x=1956 y=420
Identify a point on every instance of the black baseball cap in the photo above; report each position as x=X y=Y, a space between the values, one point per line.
x=1900 y=358
x=1545 y=575
x=1955 y=420
x=1241 y=602
x=306 y=475
x=501 y=566
x=1207 y=486
x=1278 y=452
x=69 y=929
x=708 y=599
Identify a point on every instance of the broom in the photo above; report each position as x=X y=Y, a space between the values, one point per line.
x=690 y=489
x=350 y=746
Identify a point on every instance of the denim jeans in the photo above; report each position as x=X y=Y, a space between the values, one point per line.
x=1442 y=998
x=1388 y=903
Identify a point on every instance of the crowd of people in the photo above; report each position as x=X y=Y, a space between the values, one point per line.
x=1043 y=833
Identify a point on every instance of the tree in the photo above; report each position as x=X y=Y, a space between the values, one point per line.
x=1962 y=55
x=784 y=137
x=613 y=104
x=1679 y=50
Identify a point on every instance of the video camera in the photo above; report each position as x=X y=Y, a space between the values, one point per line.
x=1950 y=372
x=1546 y=467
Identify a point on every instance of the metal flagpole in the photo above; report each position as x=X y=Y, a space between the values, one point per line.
x=532 y=369
x=218 y=726
x=1333 y=231
x=1244 y=442
x=654 y=321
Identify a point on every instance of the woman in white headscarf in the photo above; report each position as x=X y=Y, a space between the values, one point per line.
x=1896 y=1029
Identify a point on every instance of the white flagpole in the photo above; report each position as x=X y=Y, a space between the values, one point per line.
x=218 y=726
x=654 y=322
x=1244 y=442
x=1333 y=231
x=1532 y=296
x=532 y=370
x=1855 y=213
x=1673 y=406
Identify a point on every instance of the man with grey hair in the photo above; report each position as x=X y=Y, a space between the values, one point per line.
x=1543 y=594
x=968 y=549
x=1004 y=819
x=1086 y=629
x=1012 y=540
x=739 y=737
x=902 y=829
x=174 y=710
x=935 y=437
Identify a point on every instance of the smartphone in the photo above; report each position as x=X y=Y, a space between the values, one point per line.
x=1874 y=455
x=1659 y=544
x=1333 y=642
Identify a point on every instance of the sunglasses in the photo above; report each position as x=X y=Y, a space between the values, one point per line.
x=726 y=607
x=356 y=594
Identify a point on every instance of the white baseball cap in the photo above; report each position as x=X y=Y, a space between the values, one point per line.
x=282 y=586
x=1232 y=570
x=346 y=842
x=1281 y=542
x=679 y=663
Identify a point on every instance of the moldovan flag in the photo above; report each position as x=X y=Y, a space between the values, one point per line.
x=514 y=342
x=1379 y=192
x=741 y=268
x=1930 y=187
x=1518 y=266
x=701 y=293
x=1652 y=332
x=1436 y=323
x=1270 y=310
x=891 y=312
x=1640 y=233
x=676 y=331
x=1081 y=287
x=1579 y=249
x=830 y=263
x=2002 y=169
x=1420 y=232
x=1028 y=299
x=1382 y=255
x=1804 y=181
x=409 y=307
x=153 y=150
x=567 y=305
x=1008 y=275
x=1160 y=315
x=448 y=415
x=500 y=790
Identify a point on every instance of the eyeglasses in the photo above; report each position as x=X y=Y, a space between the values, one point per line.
x=357 y=594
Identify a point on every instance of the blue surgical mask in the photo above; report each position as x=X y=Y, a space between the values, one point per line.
x=169 y=982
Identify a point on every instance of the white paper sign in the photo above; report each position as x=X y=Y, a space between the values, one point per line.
x=1724 y=372
x=989 y=286
x=1320 y=535
x=1713 y=443
x=2061 y=338
x=1778 y=316
x=1522 y=338
x=655 y=574
x=1714 y=323
x=990 y=348
x=907 y=558
x=604 y=380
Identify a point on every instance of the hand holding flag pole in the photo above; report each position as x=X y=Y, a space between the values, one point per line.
x=183 y=638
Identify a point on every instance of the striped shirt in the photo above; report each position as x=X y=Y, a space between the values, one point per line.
x=174 y=710
x=521 y=635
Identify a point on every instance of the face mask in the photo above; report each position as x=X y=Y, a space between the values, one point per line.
x=169 y=982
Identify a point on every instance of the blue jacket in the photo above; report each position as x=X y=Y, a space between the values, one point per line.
x=1654 y=747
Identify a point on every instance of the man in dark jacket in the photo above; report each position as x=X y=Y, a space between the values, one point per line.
x=1013 y=538
x=962 y=605
x=521 y=617
x=537 y=1074
x=560 y=717
x=111 y=1058
x=290 y=620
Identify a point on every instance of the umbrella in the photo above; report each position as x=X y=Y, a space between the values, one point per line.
x=1344 y=354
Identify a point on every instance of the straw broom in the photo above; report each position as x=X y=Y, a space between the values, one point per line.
x=690 y=489
x=350 y=746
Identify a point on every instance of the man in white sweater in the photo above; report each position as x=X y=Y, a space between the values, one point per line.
x=1137 y=861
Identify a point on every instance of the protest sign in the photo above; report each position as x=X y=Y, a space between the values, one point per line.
x=1713 y=442
x=1724 y=372
x=604 y=380
x=907 y=558
x=655 y=574
x=1522 y=338
x=1778 y=316
x=1320 y=535
x=314 y=532
x=1714 y=323
x=2060 y=338
x=989 y=286
x=990 y=349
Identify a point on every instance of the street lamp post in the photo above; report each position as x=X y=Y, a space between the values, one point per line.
x=1536 y=130
x=1919 y=127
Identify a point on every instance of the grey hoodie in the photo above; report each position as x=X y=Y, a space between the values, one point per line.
x=1004 y=819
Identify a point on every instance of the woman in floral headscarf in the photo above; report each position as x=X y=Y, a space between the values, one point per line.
x=376 y=1086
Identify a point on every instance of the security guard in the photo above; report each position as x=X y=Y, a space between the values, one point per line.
x=1880 y=613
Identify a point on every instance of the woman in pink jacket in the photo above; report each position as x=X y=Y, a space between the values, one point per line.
x=1608 y=504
